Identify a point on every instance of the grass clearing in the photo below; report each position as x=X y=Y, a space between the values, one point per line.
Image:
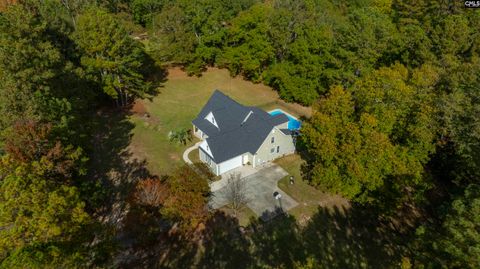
x=180 y=99
x=194 y=156
x=243 y=215
x=308 y=197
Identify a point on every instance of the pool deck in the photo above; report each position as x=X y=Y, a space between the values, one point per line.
x=297 y=123
x=284 y=112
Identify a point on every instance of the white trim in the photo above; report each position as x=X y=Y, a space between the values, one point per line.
x=210 y=118
x=231 y=164
x=245 y=159
x=286 y=113
x=248 y=115
x=206 y=148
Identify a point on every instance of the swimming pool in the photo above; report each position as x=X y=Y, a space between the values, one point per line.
x=293 y=123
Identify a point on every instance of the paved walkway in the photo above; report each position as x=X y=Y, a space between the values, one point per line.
x=187 y=151
x=259 y=190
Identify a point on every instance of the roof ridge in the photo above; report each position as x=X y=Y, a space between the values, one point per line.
x=219 y=91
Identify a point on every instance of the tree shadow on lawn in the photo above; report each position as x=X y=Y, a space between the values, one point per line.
x=225 y=246
x=112 y=166
x=338 y=238
x=218 y=243
x=352 y=238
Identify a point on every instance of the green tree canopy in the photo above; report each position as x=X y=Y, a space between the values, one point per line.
x=29 y=65
x=378 y=137
x=456 y=242
x=110 y=56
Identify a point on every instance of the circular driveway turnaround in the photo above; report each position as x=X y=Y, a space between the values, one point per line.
x=190 y=149
x=259 y=191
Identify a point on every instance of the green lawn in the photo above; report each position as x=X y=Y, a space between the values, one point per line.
x=243 y=215
x=194 y=156
x=179 y=101
x=308 y=197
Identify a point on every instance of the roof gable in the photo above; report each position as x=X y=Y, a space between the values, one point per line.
x=211 y=118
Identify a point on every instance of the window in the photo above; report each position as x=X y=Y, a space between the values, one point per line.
x=209 y=160
x=278 y=149
x=273 y=139
x=213 y=120
x=196 y=129
x=272 y=150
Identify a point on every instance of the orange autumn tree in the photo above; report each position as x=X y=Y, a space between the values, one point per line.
x=187 y=198
x=151 y=192
x=31 y=140
x=181 y=197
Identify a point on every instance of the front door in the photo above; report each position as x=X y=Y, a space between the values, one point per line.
x=245 y=159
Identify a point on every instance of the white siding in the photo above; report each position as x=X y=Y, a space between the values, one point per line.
x=230 y=164
x=206 y=148
x=208 y=161
x=211 y=119
x=198 y=133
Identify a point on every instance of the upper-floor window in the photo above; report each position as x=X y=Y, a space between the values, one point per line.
x=272 y=150
x=273 y=139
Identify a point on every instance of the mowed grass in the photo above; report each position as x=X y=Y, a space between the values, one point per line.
x=243 y=216
x=180 y=100
x=194 y=156
x=309 y=198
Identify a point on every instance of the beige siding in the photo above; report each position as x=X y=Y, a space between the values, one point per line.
x=285 y=142
x=283 y=125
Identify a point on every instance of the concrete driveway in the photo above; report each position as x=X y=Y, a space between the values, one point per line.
x=260 y=187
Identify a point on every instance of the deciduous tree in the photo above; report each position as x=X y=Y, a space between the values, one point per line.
x=456 y=242
x=35 y=210
x=151 y=192
x=236 y=193
x=187 y=197
x=378 y=137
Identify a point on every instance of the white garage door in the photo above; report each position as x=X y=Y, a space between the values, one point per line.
x=230 y=164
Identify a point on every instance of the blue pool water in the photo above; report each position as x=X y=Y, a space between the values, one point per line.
x=293 y=123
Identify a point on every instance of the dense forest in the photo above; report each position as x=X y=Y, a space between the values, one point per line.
x=394 y=87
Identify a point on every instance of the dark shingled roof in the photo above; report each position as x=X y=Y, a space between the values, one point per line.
x=286 y=131
x=234 y=136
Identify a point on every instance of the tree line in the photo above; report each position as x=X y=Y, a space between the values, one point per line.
x=394 y=87
x=60 y=61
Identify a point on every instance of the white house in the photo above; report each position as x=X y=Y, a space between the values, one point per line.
x=234 y=135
